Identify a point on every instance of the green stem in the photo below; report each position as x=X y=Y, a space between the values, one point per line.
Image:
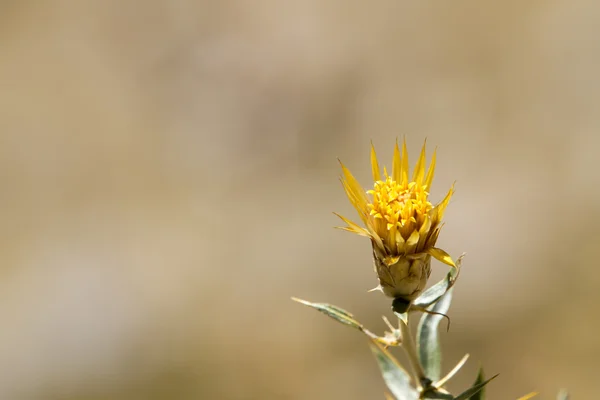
x=408 y=344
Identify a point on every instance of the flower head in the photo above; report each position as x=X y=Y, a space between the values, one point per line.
x=401 y=222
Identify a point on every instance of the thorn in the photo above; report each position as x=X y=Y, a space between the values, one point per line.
x=378 y=287
x=387 y=322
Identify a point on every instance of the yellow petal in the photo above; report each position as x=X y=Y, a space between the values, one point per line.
x=411 y=242
x=419 y=172
x=355 y=192
x=528 y=396
x=441 y=256
x=356 y=202
x=404 y=162
x=424 y=233
x=441 y=208
x=390 y=260
x=396 y=164
x=355 y=228
x=433 y=237
x=389 y=236
x=400 y=243
x=375 y=165
x=352 y=227
x=430 y=172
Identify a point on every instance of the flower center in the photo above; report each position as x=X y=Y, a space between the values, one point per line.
x=399 y=205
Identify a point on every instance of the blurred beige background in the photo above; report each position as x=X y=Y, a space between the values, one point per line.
x=168 y=172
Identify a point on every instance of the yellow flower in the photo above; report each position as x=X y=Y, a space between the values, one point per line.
x=400 y=221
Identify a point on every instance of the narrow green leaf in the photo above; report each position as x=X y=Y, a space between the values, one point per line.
x=436 y=291
x=339 y=310
x=480 y=379
x=467 y=394
x=395 y=377
x=334 y=312
x=428 y=341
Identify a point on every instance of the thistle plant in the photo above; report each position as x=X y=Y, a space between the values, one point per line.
x=403 y=227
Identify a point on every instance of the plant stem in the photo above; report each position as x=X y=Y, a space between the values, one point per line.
x=408 y=344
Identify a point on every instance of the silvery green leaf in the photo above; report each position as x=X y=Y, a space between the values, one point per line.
x=473 y=390
x=428 y=341
x=433 y=294
x=334 y=312
x=395 y=377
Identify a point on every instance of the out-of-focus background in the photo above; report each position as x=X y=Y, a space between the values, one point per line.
x=168 y=172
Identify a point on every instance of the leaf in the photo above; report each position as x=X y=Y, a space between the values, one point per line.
x=452 y=372
x=395 y=377
x=428 y=341
x=436 y=291
x=563 y=395
x=467 y=394
x=480 y=378
x=433 y=393
x=334 y=312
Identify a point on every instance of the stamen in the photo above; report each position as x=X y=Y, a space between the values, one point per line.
x=398 y=204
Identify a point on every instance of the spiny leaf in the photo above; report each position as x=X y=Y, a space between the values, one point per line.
x=467 y=394
x=480 y=379
x=436 y=291
x=395 y=377
x=428 y=341
x=334 y=312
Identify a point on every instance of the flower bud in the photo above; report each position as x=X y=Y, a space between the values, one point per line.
x=401 y=223
x=402 y=277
